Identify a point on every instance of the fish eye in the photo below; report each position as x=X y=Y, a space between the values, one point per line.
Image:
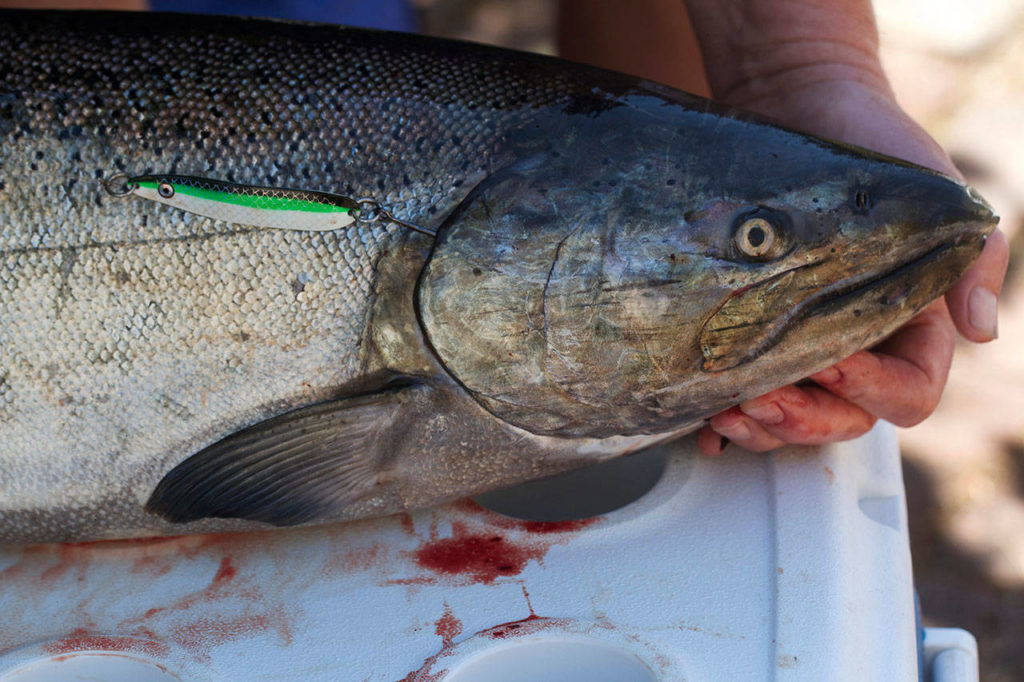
x=165 y=190
x=756 y=238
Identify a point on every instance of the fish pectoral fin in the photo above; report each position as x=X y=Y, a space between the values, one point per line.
x=298 y=467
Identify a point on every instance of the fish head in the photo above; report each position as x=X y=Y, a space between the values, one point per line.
x=658 y=262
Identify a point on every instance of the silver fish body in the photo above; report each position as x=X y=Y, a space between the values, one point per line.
x=588 y=292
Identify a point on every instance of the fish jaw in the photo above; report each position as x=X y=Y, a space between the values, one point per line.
x=872 y=278
x=632 y=311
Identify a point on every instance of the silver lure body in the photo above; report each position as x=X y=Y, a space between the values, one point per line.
x=134 y=335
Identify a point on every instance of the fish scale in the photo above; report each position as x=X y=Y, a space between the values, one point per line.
x=165 y=372
x=90 y=98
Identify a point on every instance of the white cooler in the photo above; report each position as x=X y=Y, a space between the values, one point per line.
x=660 y=566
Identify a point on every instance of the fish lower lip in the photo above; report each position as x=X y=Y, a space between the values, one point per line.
x=754 y=319
x=892 y=287
x=836 y=297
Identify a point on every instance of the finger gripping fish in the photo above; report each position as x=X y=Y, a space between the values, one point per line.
x=371 y=272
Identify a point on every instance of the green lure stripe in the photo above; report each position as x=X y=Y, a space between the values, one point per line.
x=256 y=206
x=266 y=198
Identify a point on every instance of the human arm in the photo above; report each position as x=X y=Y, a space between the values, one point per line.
x=812 y=65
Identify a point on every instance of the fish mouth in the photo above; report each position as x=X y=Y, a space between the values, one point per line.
x=754 y=319
x=891 y=287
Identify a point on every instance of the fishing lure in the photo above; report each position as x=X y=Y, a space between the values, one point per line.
x=273 y=207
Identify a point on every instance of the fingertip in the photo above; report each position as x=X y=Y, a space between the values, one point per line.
x=736 y=430
x=815 y=415
x=734 y=427
x=973 y=301
x=726 y=416
x=776 y=406
x=827 y=376
x=846 y=378
x=983 y=313
x=764 y=413
x=710 y=443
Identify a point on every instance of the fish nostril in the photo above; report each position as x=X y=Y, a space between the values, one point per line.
x=862 y=201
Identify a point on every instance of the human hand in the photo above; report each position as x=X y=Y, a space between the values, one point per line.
x=813 y=65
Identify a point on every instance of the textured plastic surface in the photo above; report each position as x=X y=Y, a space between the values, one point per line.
x=950 y=655
x=792 y=567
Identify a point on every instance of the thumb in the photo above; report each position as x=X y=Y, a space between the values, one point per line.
x=972 y=300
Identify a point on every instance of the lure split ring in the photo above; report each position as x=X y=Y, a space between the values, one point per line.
x=369 y=210
x=127 y=185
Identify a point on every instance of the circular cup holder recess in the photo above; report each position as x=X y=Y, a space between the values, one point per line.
x=583 y=493
x=553 y=661
x=100 y=666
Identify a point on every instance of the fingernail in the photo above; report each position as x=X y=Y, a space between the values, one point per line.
x=829 y=375
x=983 y=311
x=769 y=413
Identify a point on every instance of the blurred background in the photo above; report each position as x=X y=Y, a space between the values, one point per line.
x=958 y=69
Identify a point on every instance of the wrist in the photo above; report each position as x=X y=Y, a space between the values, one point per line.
x=756 y=50
x=812 y=65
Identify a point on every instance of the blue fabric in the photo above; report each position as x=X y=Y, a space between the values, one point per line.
x=394 y=15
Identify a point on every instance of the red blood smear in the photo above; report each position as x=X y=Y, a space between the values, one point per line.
x=44 y=565
x=130 y=543
x=156 y=564
x=72 y=559
x=416 y=581
x=529 y=604
x=529 y=625
x=480 y=556
x=57 y=571
x=147 y=553
x=355 y=560
x=217 y=589
x=555 y=526
x=448 y=627
x=424 y=674
x=506 y=630
x=144 y=633
x=503 y=521
x=205 y=633
x=225 y=573
x=81 y=640
x=201 y=634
